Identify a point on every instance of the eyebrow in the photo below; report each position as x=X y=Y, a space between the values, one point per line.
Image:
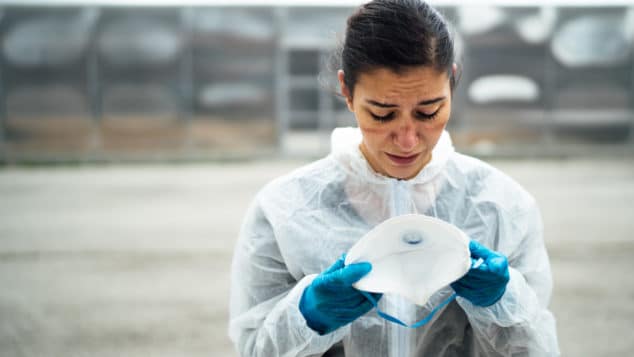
x=387 y=105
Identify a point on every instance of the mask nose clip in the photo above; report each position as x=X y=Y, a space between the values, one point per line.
x=412 y=238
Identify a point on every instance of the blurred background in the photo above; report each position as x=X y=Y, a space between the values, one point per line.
x=133 y=135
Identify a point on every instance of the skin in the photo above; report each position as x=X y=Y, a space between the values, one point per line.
x=419 y=100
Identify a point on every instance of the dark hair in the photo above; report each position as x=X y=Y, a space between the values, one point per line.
x=396 y=34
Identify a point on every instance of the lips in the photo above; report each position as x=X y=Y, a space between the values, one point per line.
x=403 y=160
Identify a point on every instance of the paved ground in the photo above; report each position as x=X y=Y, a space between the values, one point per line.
x=134 y=261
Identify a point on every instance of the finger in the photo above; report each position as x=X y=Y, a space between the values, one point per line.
x=475 y=263
x=348 y=305
x=349 y=275
x=496 y=265
x=358 y=309
x=364 y=307
x=372 y=297
x=462 y=289
x=479 y=251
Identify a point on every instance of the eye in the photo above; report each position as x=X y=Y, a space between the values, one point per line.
x=423 y=116
x=386 y=117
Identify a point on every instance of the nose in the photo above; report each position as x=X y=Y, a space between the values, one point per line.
x=406 y=136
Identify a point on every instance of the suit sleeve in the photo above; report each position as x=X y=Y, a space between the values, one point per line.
x=520 y=322
x=264 y=309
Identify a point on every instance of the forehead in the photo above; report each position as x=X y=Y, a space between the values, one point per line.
x=414 y=83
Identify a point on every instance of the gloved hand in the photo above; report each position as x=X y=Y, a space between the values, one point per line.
x=485 y=284
x=330 y=301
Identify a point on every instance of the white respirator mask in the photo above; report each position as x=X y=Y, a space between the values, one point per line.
x=412 y=256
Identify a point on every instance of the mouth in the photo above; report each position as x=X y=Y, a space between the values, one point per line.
x=403 y=160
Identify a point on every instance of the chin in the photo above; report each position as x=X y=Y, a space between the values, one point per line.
x=402 y=174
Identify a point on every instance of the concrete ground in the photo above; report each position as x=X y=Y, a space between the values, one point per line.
x=135 y=260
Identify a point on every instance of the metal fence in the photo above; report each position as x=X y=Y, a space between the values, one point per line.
x=91 y=82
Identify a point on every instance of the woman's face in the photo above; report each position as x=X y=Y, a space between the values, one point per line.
x=401 y=116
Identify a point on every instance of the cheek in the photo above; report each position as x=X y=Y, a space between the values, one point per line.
x=371 y=128
x=433 y=127
x=374 y=138
x=431 y=132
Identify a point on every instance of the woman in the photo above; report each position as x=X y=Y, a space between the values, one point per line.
x=292 y=295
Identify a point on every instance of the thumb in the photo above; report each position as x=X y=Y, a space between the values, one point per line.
x=348 y=275
x=480 y=251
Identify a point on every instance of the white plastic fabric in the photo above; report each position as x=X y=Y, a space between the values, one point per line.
x=299 y=224
x=412 y=256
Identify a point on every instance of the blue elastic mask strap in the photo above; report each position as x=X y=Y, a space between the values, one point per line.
x=397 y=321
x=475 y=264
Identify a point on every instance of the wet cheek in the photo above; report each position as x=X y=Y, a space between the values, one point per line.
x=375 y=138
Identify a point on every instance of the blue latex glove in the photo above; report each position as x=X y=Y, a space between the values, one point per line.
x=484 y=284
x=330 y=301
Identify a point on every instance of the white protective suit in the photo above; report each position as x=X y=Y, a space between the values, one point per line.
x=299 y=224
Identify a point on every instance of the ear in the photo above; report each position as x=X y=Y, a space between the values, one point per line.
x=454 y=69
x=345 y=91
